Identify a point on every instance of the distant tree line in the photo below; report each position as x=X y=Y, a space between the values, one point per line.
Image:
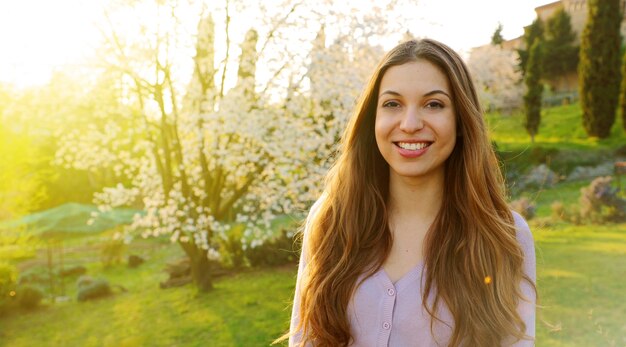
x=550 y=52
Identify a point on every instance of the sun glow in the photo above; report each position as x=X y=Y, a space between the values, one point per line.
x=39 y=36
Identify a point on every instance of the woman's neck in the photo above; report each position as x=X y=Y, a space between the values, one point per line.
x=415 y=198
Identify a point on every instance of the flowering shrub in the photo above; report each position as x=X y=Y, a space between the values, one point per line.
x=599 y=202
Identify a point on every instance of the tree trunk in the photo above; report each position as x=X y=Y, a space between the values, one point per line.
x=201 y=271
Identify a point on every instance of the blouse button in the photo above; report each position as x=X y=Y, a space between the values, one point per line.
x=386 y=325
x=391 y=292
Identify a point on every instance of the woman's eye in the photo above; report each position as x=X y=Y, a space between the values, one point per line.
x=434 y=104
x=391 y=104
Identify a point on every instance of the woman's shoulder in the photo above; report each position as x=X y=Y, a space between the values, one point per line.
x=524 y=235
x=527 y=243
x=313 y=212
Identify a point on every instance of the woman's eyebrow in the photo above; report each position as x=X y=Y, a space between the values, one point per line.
x=432 y=92
x=438 y=91
x=390 y=92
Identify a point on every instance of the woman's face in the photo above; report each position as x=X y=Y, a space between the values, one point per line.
x=415 y=119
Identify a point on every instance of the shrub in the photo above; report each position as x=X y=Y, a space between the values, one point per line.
x=558 y=210
x=92 y=289
x=84 y=281
x=278 y=251
x=621 y=151
x=73 y=271
x=569 y=214
x=29 y=296
x=516 y=164
x=134 y=261
x=524 y=207
x=231 y=247
x=8 y=278
x=599 y=202
x=540 y=176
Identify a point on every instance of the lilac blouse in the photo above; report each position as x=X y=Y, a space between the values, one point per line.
x=382 y=313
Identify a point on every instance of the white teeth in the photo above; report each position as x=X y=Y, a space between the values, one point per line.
x=413 y=146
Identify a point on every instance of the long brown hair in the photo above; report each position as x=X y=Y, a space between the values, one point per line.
x=472 y=237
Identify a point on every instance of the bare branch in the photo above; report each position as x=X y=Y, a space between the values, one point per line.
x=278 y=24
x=227 y=50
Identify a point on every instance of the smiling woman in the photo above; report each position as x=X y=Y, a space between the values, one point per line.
x=45 y=36
x=412 y=242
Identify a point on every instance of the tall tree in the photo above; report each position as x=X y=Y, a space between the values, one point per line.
x=496 y=38
x=622 y=99
x=599 y=68
x=534 y=88
x=204 y=159
x=247 y=64
x=560 y=51
x=531 y=33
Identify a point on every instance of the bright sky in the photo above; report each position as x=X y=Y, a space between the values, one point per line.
x=38 y=36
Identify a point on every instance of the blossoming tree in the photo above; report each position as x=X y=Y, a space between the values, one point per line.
x=497 y=79
x=199 y=157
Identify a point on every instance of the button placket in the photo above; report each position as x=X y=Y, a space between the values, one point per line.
x=387 y=314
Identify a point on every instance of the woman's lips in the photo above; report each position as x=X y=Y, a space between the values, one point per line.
x=412 y=149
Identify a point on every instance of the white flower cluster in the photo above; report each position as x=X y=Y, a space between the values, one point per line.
x=497 y=77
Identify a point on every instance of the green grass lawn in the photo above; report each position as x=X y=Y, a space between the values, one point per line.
x=249 y=308
x=561 y=127
x=581 y=271
x=581 y=279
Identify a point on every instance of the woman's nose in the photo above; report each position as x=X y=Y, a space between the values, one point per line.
x=411 y=120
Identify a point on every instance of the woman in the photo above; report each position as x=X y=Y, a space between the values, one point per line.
x=412 y=243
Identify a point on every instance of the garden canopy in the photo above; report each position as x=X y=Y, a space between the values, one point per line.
x=70 y=219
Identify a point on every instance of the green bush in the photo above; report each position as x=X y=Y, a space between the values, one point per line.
x=231 y=247
x=94 y=289
x=621 y=151
x=278 y=251
x=8 y=278
x=29 y=296
x=565 y=161
x=522 y=160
